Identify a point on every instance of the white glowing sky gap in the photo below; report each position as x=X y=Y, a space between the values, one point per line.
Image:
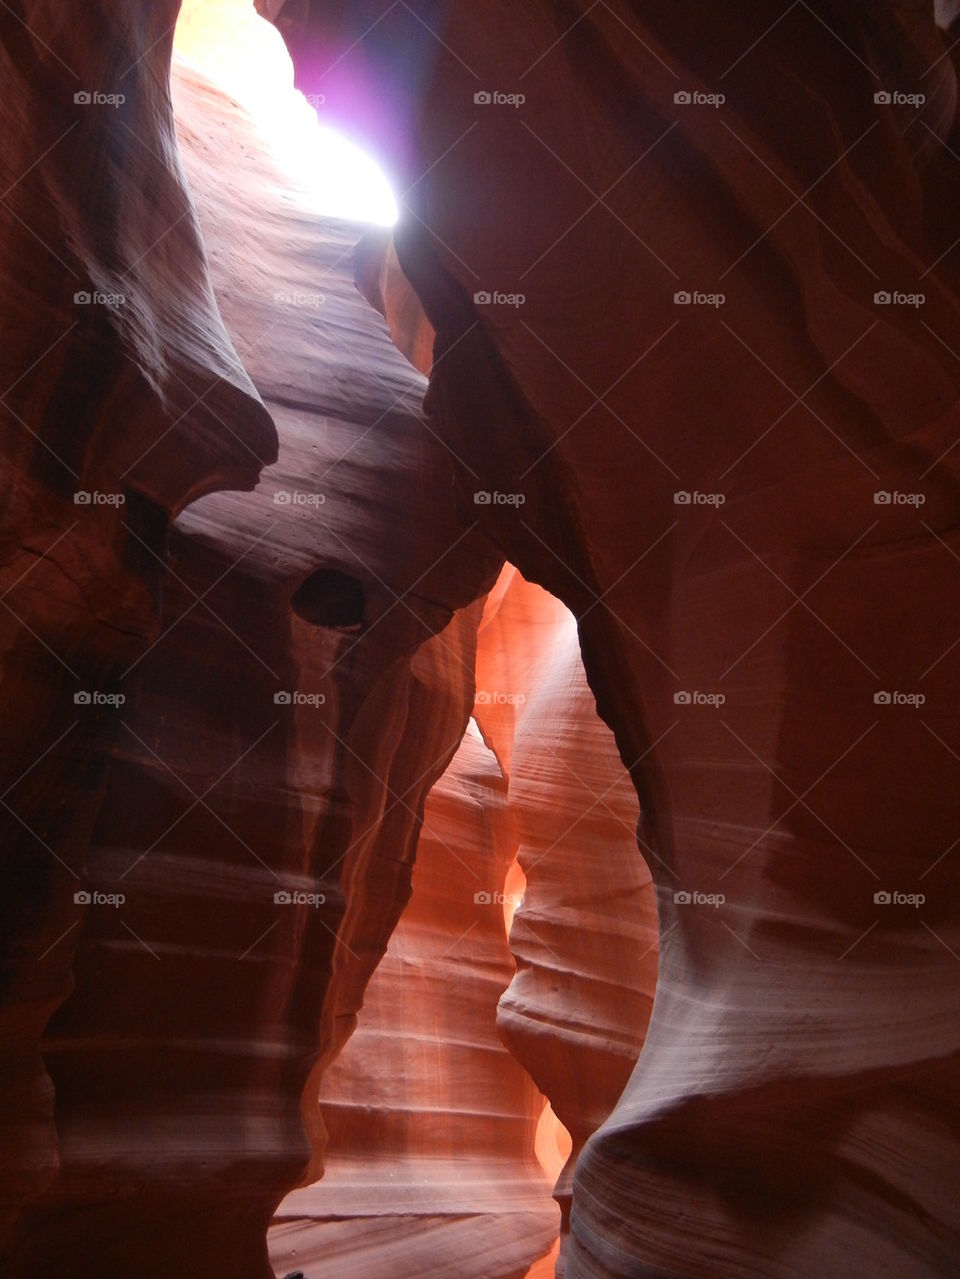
x=245 y=56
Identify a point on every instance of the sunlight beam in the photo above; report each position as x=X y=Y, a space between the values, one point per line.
x=244 y=55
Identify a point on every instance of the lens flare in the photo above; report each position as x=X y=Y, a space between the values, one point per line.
x=244 y=54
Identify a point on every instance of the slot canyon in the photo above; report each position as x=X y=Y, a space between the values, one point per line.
x=480 y=634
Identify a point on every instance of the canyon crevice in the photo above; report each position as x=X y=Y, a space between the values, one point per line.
x=489 y=679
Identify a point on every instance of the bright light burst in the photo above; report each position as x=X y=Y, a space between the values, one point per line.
x=244 y=55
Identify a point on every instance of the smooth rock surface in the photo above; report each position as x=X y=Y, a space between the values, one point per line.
x=431 y=1167
x=585 y=934
x=202 y=1004
x=791 y=1112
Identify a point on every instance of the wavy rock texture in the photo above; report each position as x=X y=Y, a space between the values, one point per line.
x=431 y=1167
x=200 y=1006
x=431 y=1124
x=792 y=1111
x=116 y=373
x=585 y=935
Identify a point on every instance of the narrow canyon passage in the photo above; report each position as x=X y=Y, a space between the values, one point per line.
x=479 y=542
x=529 y=847
x=453 y=1187
x=437 y=1148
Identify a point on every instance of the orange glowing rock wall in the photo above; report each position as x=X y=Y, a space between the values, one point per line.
x=792 y=1110
x=585 y=935
x=431 y=1166
x=440 y=1150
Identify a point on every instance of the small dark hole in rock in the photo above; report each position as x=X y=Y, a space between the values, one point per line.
x=330 y=598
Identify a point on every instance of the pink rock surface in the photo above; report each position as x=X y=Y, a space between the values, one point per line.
x=193 y=1014
x=752 y=500
x=585 y=935
x=431 y=1167
x=791 y=1111
x=98 y=396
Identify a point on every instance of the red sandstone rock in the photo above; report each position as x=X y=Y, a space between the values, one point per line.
x=116 y=374
x=585 y=936
x=790 y=1113
x=430 y=1167
x=201 y=1005
x=417 y=1177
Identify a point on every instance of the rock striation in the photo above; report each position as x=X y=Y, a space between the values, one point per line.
x=585 y=935
x=431 y=1166
x=116 y=374
x=733 y=425
x=285 y=710
x=682 y=284
x=432 y=1127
